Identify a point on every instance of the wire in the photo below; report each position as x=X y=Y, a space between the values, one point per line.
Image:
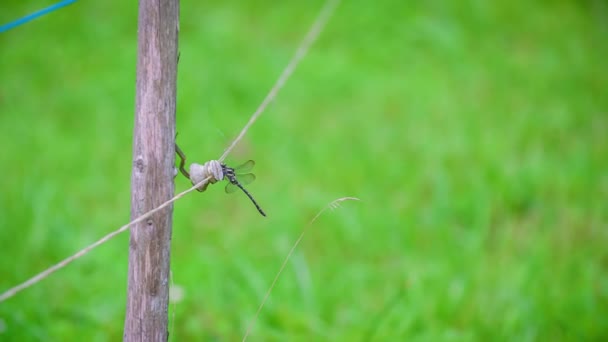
x=40 y=276
x=310 y=38
x=35 y=15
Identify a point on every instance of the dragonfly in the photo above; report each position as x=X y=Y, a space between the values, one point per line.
x=228 y=173
x=239 y=176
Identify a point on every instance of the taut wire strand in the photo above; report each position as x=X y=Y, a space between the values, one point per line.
x=40 y=276
x=310 y=38
x=35 y=15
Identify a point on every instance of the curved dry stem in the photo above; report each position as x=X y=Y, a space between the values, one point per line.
x=332 y=205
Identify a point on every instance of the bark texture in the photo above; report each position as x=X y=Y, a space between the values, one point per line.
x=153 y=170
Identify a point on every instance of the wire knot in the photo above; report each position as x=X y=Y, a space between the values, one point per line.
x=211 y=170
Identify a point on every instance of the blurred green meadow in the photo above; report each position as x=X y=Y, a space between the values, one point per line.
x=474 y=133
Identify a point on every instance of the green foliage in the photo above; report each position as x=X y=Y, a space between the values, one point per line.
x=474 y=133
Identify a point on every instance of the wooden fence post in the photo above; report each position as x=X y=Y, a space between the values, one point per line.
x=153 y=170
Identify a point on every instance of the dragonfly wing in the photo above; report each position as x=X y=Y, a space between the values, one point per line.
x=246 y=178
x=245 y=167
x=230 y=188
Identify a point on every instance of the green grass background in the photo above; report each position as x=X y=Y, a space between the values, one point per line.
x=475 y=134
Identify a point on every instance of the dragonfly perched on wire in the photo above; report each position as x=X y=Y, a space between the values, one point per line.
x=239 y=176
x=214 y=171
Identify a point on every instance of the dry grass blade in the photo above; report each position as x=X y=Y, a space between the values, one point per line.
x=332 y=206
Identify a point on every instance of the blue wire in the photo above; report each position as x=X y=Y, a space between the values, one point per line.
x=35 y=15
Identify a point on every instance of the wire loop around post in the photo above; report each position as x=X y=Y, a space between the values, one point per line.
x=211 y=170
